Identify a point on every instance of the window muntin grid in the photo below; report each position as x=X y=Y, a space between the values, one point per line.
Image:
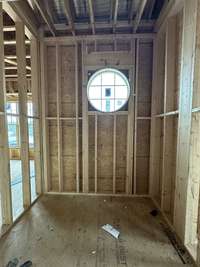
x=108 y=90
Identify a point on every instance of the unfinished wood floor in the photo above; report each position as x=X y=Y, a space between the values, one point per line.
x=62 y=230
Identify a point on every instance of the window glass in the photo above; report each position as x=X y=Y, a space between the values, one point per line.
x=108 y=90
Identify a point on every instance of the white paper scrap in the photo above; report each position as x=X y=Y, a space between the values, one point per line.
x=111 y=230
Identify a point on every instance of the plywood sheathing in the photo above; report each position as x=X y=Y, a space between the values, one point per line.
x=106 y=173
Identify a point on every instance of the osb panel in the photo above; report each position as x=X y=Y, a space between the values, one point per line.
x=69 y=155
x=80 y=155
x=108 y=59
x=91 y=152
x=142 y=160
x=53 y=140
x=123 y=45
x=161 y=40
x=145 y=78
x=157 y=162
x=105 y=153
x=160 y=140
x=106 y=45
x=80 y=80
x=142 y=173
x=54 y=173
x=53 y=155
x=194 y=173
x=51 y=80
x=121 y=149
x=170 y=164
x=143 y=138
x=67 y=81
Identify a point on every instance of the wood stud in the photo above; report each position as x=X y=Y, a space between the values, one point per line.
x=130 y=129
x=35 y=83
x=77 y=118
x=24 y=143
x=84 y=123
x=5 y=182
x=59 y=122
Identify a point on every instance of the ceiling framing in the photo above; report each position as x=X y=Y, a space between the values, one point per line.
x=85 y=17
x=76 y=18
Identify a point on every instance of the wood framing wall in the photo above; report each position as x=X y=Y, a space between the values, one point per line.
x=20 y=88
x=174 y=156
x=88 y=151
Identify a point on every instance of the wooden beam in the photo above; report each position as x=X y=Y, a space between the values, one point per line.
x=21 y=11
x=15 y=76
x=136 y=116
x=9 y=29
x=151 y=9
x=13 y=42
x=130 y=129
x=91 y=12
x=115 y=15
x=59 y=122
x=96 y=155
x=69 y=16
x=77 y=118
x=169 y=85
x=114 y=152
x=14 y=63
x=11 y=68
x=111 y=10
x=50 y=10
x=170 y=8
x=101 y=25
x=15 y=57
x=183 y=190
x=84 y=124
x=71 y=40
x=5 y=181
x=45 y=128
x=35 y=86
x=139 y=15
x=22 y=83
x=131 y=11
x=45 y=16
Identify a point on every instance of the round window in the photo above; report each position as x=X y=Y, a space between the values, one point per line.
x=108 y=90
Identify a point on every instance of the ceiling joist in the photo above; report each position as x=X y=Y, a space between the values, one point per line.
x=170 y=7
x=151 y=9
x=103 y=25
x=132 y=11
x=91 y=12
x=139 y=15
x=69 y=16
x=115 y=15
x=45 y=16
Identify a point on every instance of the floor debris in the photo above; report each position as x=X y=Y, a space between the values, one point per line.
x=13 y=263
x=50 y=228
x=111 y=230
x=27 y=264
x=154 y=212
